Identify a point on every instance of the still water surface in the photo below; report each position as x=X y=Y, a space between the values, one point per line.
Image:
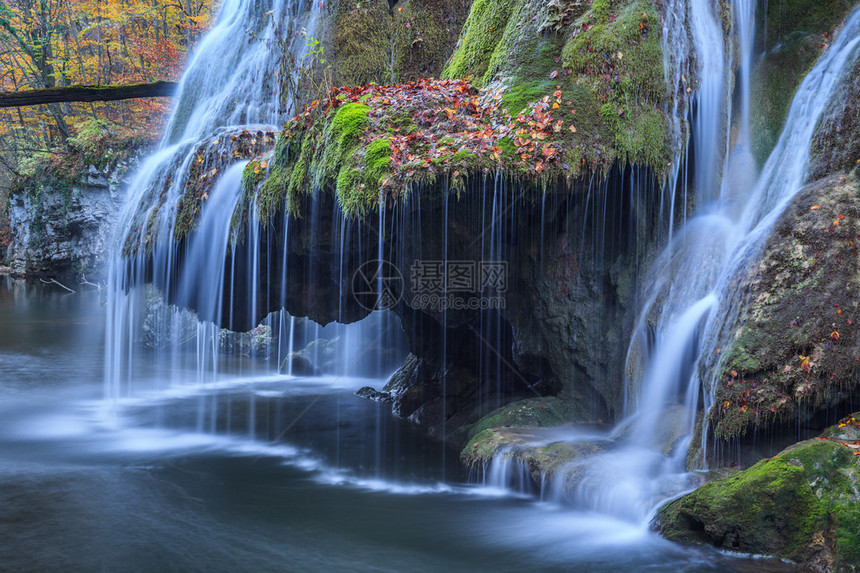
x=315 y=480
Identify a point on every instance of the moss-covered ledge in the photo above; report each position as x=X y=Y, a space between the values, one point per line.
x=605 y=56
x=374 y=143
x=802 y=505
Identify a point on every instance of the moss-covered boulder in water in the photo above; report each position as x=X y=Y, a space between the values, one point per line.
x=796 y=350
x=527 y=431
x=802 y=505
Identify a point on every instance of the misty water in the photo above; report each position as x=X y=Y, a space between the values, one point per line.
x=330 y=482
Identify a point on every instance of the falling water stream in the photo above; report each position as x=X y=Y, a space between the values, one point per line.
x=206 y=450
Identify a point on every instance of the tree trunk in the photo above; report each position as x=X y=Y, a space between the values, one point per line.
x=87 y=94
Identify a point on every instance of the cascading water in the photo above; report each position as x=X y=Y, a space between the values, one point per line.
x=229 y=107
x=646 y=459
x=694 y=291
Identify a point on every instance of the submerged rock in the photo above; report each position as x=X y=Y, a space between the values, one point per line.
x=534 y=432
x=371 y=393
x=802 y=505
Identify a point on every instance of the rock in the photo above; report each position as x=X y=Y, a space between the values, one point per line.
x=64 y=233
x=374 y=394
x=546 y=458
x=837 y=135
x=802 y=505
x=320 y=354
x=793 y=352
x=530 y=413
x=298 y=365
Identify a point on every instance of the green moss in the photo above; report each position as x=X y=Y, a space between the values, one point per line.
x=634 y=52
x=797 y=505
x=367 y=45
x=517 y=96
x=342 y=134
x=528 y=413
x=378 y=158
x=788 y=16
x=465 y=157
x=779 y=74
x=481 y=34
x=509 y=150
x=358 y=189
x=348 y=123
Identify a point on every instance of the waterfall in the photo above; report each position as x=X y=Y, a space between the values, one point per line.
x=230 y=93
x=692 y=287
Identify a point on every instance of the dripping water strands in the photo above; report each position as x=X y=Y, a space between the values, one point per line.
x=692 y=295
x=695 y=297
x=228 y=110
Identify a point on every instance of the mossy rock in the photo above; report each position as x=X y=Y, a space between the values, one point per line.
x=481 y=34
x=526 y=431
x=802 y=505
x=786 y=17
x=778 y=75
x=604 y=58
x=529 y=413
x=365 y=44
x=796 y=347
x=797 y=32
x=546 y=460
x=836 y=143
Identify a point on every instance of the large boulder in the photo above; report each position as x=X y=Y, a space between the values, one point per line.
x=802 y=505
x=795 y=352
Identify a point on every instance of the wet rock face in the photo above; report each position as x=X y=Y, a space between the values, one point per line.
x=802 y=505
x=796 y=348
x=563 y=300
x=836 y=145
x=65 y=233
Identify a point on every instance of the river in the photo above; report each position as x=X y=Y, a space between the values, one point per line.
x=328 y=482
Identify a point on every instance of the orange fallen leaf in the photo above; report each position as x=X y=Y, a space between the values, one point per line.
x=815 y=207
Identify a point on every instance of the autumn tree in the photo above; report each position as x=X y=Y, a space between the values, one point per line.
x=47 y=44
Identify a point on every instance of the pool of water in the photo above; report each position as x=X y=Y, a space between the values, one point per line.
x=255 y=473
